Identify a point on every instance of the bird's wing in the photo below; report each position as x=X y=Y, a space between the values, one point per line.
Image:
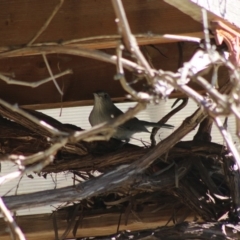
x=115 y=111
x=135 y=125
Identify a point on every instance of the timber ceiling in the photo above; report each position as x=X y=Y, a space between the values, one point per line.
x=21 y=20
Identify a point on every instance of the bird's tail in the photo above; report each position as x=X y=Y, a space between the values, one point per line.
x=152 y=124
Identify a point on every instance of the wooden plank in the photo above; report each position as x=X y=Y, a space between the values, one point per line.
x=111 y=42
x=40 y=227
x=88 y=76
x=78 y=20
x=227 y=11
x=87 y=18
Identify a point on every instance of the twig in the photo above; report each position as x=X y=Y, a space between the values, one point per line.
x=45 y=160
x=44 y=27
x=206 y=31
x=121 y=77
x=94 y=54
x=55 y=226
x=175 y=81
x=42 y=124
x=129 y=39
x=71 y=222
x=115 y=38
x=166 y=118
x=10 y=221
x=16 y=191
x=204 y=130
x=10 y=176
x=10 y=80
x=181 y=38
x=214 y=93
x=51 y=74
x=137 y=36
x=227 y=137
x=44 y=154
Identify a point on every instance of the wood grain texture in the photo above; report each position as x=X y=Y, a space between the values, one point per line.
x=88 y=76
x=227 y=11
x=21 y=20
x=87 y=18
x=40 y=227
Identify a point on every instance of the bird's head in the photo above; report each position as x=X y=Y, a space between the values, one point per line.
x=101 y=97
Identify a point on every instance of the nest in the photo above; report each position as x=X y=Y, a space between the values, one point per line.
x=193 y=184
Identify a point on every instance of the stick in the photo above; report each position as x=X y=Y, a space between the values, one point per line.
x=10 y=221
x=10 y=80
x=44 y=27
x=51 y=74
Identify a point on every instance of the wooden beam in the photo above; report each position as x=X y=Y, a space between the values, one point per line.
x=111 y=41
x=88 y=76
x=39 y=227
x=88 y=18
x=227 y=11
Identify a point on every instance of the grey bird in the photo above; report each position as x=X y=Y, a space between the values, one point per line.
x=104 y=110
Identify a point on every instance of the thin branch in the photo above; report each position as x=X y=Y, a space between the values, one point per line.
x=137 y=36
x=121 y=77
x=10 y=176
x=10 y=80
x=129 y=39
x=44 y=154
x=94 y=54
x=166 y=118
x=44 y=27
x=228 y=139
x=71 y=222
x=51 y=74
x=206 y=31
x=45 y=160
x=41 y=124
x=89 y=42
x=10 y=221
x=180 y=38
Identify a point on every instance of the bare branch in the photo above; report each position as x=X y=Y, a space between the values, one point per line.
x=112 y=40
x=10 y=80
x=10 y=221
x=94 y=54
x=167 y=117
x=120 y=76
x=206 y=31
x=9 y=177
x=228 y=139
x=29 y=118
x=51 y=74
x=44 y=27
x=129 y=39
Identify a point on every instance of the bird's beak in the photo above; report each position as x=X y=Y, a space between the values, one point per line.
x=95 y=95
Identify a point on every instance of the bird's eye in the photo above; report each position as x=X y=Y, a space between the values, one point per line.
x=105 y=95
